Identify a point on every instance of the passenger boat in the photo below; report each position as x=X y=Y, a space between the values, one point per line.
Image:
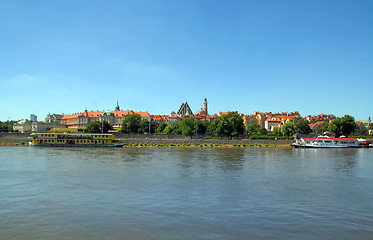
x=73 y=140
x=326 y=142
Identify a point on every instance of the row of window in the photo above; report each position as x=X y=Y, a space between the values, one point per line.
x=77 y=141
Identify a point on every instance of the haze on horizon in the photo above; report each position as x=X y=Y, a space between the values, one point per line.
x=67 y=56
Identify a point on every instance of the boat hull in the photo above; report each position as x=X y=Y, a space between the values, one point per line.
x=75 y=145
x=311 y=146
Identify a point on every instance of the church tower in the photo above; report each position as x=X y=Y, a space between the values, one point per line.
x=205 y=106
x=117 y=108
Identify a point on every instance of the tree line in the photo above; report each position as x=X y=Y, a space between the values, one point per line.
x=227 y=125
x=7 y=126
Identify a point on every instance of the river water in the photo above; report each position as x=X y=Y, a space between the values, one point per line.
x=186 y=193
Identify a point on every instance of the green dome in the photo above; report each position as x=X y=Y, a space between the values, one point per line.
x=108 y=113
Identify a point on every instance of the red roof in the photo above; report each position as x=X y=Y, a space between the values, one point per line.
x=331 y=138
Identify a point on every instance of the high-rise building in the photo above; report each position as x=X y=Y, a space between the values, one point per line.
x=33 y=118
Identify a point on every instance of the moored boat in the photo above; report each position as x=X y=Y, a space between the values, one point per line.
x=326 y=142
x=74 y=140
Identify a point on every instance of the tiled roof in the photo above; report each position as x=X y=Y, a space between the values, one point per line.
x=143 y=114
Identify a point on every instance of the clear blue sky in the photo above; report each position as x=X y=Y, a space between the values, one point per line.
x=152 y=55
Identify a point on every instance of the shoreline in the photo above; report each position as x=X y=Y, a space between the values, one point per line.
x=187 y=143
x=21 y=140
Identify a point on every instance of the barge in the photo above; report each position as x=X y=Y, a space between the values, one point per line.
x=73 y=140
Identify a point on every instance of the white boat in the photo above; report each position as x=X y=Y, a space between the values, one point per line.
x=326 y=142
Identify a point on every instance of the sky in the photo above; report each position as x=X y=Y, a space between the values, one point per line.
x=153 y=55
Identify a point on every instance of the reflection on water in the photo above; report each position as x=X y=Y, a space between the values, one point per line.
x=186 y=193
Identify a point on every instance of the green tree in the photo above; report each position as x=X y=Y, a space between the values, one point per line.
x=288 y=129
x=324 y=127
x=168 y=129
x=252 y=126
x=301 y=126
x=229 y=125
x=93 y=127
x=201 y=127
x=361 y=130
x=144 y=126
x=223 y=127
x=277 y=131
x=211 y=128
x=175 y=126
x=187 y=126
x=106 y=126
x=162 y=125
x=131 y=124
x=262 y=131
x=237 y=122
x=343 y=126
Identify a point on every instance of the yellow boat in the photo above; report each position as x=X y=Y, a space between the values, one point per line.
x=74 y=140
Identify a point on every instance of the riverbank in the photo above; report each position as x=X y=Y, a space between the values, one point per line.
x=21 y=139
x=187 y=142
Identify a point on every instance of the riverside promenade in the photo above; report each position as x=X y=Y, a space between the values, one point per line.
x=21 y=139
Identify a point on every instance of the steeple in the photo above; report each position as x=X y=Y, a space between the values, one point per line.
x=117 y=108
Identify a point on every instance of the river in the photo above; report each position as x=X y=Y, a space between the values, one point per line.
x=186 y=193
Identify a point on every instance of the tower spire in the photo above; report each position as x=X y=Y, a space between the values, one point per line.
x=117 y=108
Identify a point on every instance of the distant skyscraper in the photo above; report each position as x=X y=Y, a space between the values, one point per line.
x=33 y=118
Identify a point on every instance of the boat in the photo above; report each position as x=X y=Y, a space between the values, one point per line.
x=73 y=140
x=326 y=142
x=364 y=142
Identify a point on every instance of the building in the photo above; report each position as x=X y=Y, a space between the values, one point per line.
x=185 y=110
x=270 y=120
x=115 y=118
x=320 y=118
x=202 y=114
x=53 y=118
x=80 y=120
x=33 y=118
x=271 y=123
x=22 y=126
x=44 y=126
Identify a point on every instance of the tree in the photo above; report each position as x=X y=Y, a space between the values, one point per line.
x=237 y=122
x=262 y=131
x=201 y=127
x=211 y=128
x=175 y=127
x=301 y=126
x=144 y=126
x=131 y=124
x=252 y=126
x=106 y=126
x=168 y=129
x=161 y=127
x=93 y=127
x=324 y=127
x=229 y=125
x=343 y=126
x=277 y=131
x=187 y=126
x=288 y=129
x=361 y=130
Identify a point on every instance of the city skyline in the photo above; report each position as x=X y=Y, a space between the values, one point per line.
x=64 y=57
